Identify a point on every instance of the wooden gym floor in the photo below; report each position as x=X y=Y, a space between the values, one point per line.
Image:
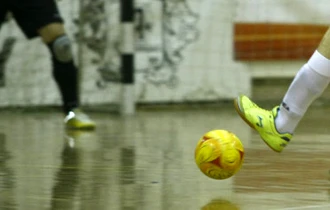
x=146 y=162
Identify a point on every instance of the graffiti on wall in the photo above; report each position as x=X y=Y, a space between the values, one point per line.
x=170 y=24
x=6 y=48
x=178 y=30
x=98 y=31
x=93 y=32
x=5 y=53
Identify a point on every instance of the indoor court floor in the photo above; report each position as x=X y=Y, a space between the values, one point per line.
x=145 y=162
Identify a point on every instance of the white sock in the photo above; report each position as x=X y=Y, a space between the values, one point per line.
x=308 y=85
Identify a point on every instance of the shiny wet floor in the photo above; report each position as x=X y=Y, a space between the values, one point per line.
x=145 y=162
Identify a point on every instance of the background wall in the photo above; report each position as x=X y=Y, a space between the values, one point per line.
x=183 y=50
x=282 y=11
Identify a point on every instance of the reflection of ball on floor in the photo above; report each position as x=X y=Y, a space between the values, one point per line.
x=219 y=154
x=220 y=204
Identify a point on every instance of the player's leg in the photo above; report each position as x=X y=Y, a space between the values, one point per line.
x=277 y=126
x=42 y=18
x=65 y=73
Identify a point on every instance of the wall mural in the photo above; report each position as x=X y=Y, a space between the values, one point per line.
x=93 y=30
x=5 y=53
x=172 y=30
x=164 y=28
x=178 y=30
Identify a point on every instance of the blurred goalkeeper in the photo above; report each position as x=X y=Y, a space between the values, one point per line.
x=41 y=18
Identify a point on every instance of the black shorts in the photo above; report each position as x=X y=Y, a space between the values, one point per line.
x=31 y=15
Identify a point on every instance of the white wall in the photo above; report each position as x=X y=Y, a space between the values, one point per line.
x=293 y=11
x=205 y=72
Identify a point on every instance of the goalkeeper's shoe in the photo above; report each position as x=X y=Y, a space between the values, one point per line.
x=76 y=119
x=263 y=121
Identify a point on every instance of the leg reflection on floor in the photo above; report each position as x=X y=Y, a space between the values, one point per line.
x=145 y=162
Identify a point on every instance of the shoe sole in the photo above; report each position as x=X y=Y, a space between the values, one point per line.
x=242 y=115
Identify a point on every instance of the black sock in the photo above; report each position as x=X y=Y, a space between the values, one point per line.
x=66 y=77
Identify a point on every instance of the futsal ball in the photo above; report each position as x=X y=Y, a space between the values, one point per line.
x=219 y=154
